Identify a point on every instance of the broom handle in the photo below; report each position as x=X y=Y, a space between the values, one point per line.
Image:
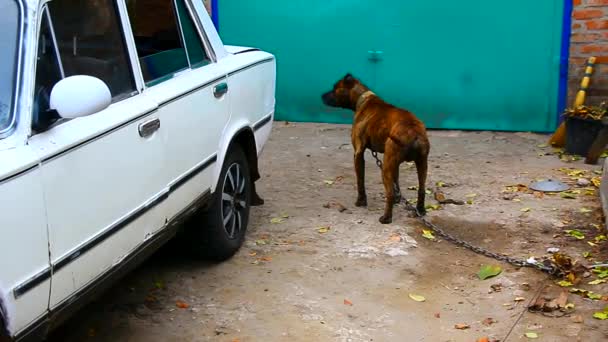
x=580 y=96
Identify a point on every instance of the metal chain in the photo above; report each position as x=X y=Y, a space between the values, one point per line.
x=550 y=269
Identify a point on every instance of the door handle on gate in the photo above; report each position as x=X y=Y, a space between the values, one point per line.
x=220 y=89
x=147 y=128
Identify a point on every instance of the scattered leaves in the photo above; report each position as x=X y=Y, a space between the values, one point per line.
x=440 y=184
x=601 y=315
x=489 y=271
x=597 y=281
x=519 y=299
x=586 y=255
x=525 y=210
x=324 y=229
x=488 y=321
x=276 y=220
x=432 y=207
x=462 y=326
x=564 y=283
x=531 y=335
x=585 y=210
x=577 y=234
x=348 y=302
x=182 y=305
x=597 y=181
x=567 y=195
x=328 y=182
x=417 y=298
x=261 y=242
x=428 y=234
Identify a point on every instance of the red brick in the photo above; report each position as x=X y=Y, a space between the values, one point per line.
x=593 y=48
x=586 y=38
x=576 y=26
x=576 y=2
x=596 y=2
x=587 y=14
x=601 y=60
x=597 y=24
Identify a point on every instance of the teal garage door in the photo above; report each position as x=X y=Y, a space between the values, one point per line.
x=457 y=64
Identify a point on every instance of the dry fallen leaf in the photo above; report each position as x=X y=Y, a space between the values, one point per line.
x=525 y=210
x=489 y=271
x=266 y=258
x=519 y=299
x=348 y=302
x=417 y=298
x=276 y=220
x=395 y=238
x=462 y=326
x=428 y=234
x=531 y=335
x=182 y=305
x=324 y=229
x=483 y=339
x=488 y=321
x=437 y=315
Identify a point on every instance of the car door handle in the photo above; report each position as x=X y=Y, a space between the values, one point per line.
x=147 y=128
x=220 y=89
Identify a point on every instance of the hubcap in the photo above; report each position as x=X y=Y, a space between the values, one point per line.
x=233 y=200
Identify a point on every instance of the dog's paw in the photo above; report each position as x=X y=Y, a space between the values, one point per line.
x=361 y=202
x=385 y=219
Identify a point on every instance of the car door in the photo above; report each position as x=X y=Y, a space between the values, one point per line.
x=190 y=89
x=102 y=174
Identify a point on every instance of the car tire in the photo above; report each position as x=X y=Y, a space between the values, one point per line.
x=219 y=230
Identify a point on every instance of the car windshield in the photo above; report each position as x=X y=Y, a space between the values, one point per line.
x=9 y=25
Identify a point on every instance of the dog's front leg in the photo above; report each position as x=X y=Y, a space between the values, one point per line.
x=360 y=173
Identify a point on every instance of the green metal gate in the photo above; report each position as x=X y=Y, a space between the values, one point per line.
x=468 y=64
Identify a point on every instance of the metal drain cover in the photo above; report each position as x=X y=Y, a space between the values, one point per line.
x=549 y=186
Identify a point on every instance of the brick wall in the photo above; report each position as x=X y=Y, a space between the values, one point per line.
x=589 y=38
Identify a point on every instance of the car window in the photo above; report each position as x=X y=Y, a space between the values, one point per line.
x=90 y=41
x=48 y=72
x=196 y=51
x=158 y=39
x=9 y=23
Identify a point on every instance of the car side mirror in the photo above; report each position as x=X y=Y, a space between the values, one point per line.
x=80 y=95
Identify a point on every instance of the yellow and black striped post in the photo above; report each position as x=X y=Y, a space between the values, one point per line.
x=558 y=139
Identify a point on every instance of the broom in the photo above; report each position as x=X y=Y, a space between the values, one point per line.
x=558 y=139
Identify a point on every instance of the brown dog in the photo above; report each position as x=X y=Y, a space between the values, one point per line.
x=382 y=128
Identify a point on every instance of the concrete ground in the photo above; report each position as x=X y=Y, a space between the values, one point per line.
x=311 y=272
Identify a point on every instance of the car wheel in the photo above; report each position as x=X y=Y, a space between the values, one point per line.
x=220 y=229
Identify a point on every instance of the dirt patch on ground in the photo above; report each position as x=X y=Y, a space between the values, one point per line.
x=328 y=271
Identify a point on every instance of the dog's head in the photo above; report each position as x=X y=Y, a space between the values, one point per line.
x=341 y=95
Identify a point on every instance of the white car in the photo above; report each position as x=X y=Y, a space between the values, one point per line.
x=118 y=119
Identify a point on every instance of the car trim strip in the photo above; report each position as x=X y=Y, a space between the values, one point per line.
x=18 y=173
x=193 y=90
x=262 y=122
x=32 y=282
x=205 y=164
x=269 y=59
x=108 y=232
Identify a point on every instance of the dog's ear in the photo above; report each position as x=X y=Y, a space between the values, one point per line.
x=349 y=78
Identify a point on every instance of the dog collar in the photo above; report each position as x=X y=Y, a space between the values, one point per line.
x=363 y=98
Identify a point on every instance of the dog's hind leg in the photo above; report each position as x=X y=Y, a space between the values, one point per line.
x=360 y=173
x=390 y=169
x=421 y=169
